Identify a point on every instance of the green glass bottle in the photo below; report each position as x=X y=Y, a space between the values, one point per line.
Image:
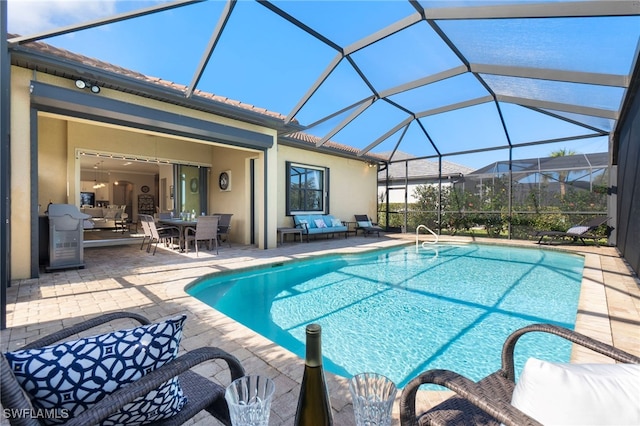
x=314 y=408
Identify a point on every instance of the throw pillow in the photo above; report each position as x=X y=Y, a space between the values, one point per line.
x=579 y=394
x=336 y=222
x=69 y=377
x=320 y=223
x=364 y=224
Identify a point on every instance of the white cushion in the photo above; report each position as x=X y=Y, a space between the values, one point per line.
x=577 y=230
x=364 y=224
x=579 y=394
x=320 y=223
x=336 y=222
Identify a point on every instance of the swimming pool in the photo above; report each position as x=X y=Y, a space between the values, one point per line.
x=399 y=312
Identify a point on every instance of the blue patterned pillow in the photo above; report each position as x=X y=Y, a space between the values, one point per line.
x=70 y=377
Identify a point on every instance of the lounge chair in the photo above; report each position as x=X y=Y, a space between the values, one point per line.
x=364 y=224
x=489 y=401
x=580 y=232
x=201 y=393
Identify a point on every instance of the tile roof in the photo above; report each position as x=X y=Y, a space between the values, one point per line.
x=312 y=140
x=106 y=66
x=309 y=141
x=421 y=168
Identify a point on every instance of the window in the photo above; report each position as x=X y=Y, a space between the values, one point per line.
x=307 y=189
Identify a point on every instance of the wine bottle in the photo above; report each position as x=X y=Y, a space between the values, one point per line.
x=313 y=403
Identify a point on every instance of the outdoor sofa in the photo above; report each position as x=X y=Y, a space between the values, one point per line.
x=320 y=224
x=105 y=217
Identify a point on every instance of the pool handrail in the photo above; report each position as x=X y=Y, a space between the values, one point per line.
x=425 y=242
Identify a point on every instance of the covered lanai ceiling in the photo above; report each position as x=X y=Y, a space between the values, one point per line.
x=428 y=78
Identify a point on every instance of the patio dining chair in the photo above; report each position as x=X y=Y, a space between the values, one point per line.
x=224 y=227
x=151 y=386
x=548 y=392
x=144 y=221
x=206 y=229
x=157 y=235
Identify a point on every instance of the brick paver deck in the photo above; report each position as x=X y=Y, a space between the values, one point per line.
x=125 y=278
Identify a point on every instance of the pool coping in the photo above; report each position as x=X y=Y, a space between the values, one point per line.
x=123 y=278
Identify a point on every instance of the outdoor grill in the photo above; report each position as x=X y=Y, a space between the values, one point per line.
x=65 y=237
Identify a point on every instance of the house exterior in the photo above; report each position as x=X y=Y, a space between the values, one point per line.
x=66 y=106
x=399 y=179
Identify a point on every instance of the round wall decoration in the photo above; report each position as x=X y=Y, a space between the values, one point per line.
x=144 y=189
x=223 y=181
x=194 y=185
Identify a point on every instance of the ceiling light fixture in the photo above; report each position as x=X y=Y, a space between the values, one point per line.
x=98 y=167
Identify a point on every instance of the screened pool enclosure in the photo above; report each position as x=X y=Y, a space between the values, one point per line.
x=465 y=82
x=503 y=199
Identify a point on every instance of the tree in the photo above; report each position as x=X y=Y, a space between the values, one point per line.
x=563 y=175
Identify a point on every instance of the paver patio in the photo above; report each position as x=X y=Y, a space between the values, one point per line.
x=125 y=278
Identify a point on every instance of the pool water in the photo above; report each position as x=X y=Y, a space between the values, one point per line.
x=399 y=312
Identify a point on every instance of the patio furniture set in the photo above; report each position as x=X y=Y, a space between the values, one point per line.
x=328 y=225
x=180 y=233
x=123 y=382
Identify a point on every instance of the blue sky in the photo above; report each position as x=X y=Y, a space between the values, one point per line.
x=265 y=61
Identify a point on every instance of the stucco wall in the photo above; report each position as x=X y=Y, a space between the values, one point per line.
x=352 y=183
x=237 y=199
x=52 y=164
x=59 y=177
x=20 y=157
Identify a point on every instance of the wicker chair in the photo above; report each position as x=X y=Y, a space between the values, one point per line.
x=202 y=393
x=224 y=227
x=488 y=402
x=206 y=230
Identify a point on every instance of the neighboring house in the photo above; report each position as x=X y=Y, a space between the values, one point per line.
x=402 y=177
x=557 y=175
x=568 y=167
x=581 y=171
x=213 y=154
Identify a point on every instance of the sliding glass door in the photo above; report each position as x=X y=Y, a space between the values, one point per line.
x=192 y=189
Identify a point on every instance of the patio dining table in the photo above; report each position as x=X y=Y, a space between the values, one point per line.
x=182 y=226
